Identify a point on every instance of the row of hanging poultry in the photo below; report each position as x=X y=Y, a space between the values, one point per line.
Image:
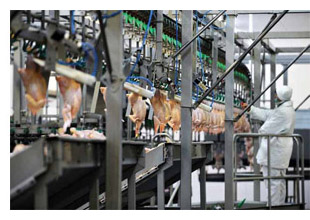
x=165 y=111
x=169 y=112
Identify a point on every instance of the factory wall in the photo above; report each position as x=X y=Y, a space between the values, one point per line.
x=298 y=79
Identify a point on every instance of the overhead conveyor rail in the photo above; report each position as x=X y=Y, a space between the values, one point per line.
x=268 y=27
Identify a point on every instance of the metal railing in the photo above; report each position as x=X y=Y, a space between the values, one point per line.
x=299 y=176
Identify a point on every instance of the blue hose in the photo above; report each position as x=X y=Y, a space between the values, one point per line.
x=142 y=78
x=72 y=23
x=111 y=15
x=143 y=42
x=68 y=64
x=86 y=47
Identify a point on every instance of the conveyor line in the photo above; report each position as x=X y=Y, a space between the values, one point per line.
x=146 y=184
x=65 y=166
x=155 y=160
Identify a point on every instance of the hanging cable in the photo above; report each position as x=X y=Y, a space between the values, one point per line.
x=72 y=23
x=111 y=15
x=142 y=78
x=140 y=49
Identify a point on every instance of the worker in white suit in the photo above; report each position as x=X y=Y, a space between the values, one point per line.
x=280 y=120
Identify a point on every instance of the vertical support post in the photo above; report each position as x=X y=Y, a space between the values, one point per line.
x=285 y=76
x=269 y=172
x=186 y=111
x=297 y=172
x=272 y=76
x=302 y=173
x=17 y=84
x=214 y=56
x=152 y=201
x=159 y=42
x=161 y=190
x=132 y=191
x=202 y=179
x=40 y=196
x=94 y=194
x=114 y=115
x=257 y=89
x=229 y=124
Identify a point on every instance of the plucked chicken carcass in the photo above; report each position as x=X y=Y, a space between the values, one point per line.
x=88 y=134
x=207 y=122
x=175 y=121
x=19 y=148
x=162 y=111
x=35 y=85
x=249 y=149
x=200 y=120
x=138 y=107
x=103 y=91
x=72 y=96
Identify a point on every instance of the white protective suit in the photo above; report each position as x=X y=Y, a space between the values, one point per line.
x=280 y=120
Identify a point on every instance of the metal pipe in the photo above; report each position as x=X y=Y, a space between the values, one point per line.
x=170 y=202
x=302 y=172
x=104 y=43
x=260 y=12
x=239 y=60
x=273 y=81
x=302 y=102
x=263 y=178
x=198 y=34
x=269 y=172
x=297 y=168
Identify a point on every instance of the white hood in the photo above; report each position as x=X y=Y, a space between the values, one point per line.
x=284 y=93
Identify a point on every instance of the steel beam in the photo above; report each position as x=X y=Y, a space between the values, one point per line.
x=257 y=89
x=132 y=191
x=94 y=193
x=281 y=59
x=186 y=111
x=159 y=43
x=161 y=190
x=214 y=56
x=190 y=40
x=285 y=76
x=274 y=35
x=272 y=76
x=114 y=114
x=229 y=124
x=288 y=49
x=302 y=102
x=202 y=180
x=17 y=83
x=245 y=12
